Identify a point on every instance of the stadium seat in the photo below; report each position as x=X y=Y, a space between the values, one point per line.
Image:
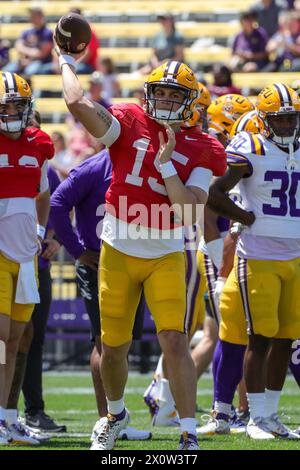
x=189 y=29
x=130 y=82
x=55 y=127
x=132 y=57
x=128 y=8
x=57 y=105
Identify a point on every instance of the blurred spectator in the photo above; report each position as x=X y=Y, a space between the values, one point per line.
x=111 y=86
x=34 y=47
x=249 y=46
x=267 y=12
x=62 y=160
x=167 y=44
x=80 y=146
x=222 y=82
x=89 y=62
x=284 y=46
x=4 y=52
x=95 y=91
x=139 y=94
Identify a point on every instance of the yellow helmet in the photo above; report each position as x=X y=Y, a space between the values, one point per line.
x=278 y=106
x=225 y=110
x=249 y=122
x=175 y=75
x=204 y=99
x=15 y=89
x=201 y=105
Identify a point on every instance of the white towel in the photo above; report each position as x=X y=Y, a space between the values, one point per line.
x=27 y=289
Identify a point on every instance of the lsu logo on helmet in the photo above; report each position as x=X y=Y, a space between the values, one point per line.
x=225 y=110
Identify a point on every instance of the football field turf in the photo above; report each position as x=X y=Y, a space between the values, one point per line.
x=69 y=400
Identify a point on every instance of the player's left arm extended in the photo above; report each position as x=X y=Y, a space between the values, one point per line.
x=219 y=200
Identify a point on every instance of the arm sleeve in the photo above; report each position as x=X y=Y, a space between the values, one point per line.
x=67 y=196
x=112 y=134
x=200 y=178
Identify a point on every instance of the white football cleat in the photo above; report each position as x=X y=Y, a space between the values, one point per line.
x=5 y=436
x=166 y=416
x=297 y=431
x=151 y=397
x=127 y=434
x=237 y=426
x=35 y=433
x=132 y=434
x=214 y=426
x=188 y=442
x=97 y=428
x=278 y=429
x=108 y=431
x=257 y=429
x=21 y=436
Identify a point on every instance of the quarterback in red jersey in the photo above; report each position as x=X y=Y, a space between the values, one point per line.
x=156 y=164
x=24 y=201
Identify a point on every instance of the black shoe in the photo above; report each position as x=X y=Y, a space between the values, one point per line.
x=43 y=422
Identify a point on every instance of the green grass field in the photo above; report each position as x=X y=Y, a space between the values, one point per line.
x=69 y=399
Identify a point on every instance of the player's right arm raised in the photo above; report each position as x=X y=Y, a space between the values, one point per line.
x=94 y=117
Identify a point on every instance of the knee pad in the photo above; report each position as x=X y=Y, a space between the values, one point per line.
x=2 y=352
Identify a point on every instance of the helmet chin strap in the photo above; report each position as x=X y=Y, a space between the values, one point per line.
x=291 y=162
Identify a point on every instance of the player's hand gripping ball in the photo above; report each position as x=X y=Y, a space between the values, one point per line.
x=73 y=33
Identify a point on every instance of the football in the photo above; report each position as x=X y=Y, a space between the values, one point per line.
x=73 y=33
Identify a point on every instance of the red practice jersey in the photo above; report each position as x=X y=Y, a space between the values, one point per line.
x=21 y=161
x=135 y=161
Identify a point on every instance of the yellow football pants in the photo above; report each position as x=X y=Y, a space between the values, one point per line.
x=121 y=279
x=261 y=297
x=9 y=271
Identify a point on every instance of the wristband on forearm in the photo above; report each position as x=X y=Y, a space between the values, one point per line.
x=167 y=169
x=41 y=231
x=66 y=59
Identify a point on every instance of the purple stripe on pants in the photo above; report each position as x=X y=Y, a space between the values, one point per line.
x=242 y=280
x=211 y=276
